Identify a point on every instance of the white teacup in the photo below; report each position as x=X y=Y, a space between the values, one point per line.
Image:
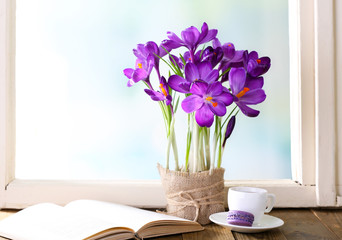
x=249 y=199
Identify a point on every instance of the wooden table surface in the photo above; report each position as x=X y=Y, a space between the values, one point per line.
x=299 y=224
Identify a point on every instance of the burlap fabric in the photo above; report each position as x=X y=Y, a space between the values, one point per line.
x=194 y=196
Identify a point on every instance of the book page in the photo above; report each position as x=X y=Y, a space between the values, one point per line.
x=49 y=221
x=118 y=215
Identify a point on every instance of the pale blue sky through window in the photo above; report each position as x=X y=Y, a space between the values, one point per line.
x=76 y=119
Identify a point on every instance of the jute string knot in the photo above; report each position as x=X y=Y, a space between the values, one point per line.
x=184 y=199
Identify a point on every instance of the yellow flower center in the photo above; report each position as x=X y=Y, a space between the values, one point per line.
x=209 y=99
x=240 y=94
x=139 y=65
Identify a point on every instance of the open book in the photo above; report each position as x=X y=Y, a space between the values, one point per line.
x=90 y=219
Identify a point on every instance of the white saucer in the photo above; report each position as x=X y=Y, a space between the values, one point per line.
x=267 y=222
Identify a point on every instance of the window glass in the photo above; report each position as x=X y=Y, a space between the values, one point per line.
x=77 y=119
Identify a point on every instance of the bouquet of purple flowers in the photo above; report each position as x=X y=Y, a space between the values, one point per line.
x=211 y=79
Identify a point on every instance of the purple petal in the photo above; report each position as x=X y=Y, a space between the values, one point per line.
x=191 y=72
x=185 y=87
x=214 y=89
x=204 y=68
x=170 y=44
x=229 y=129
x=253 y=55
x=177 y=83
x=237 y=79
x=230 y=126
x=210 y=36
x=247 y=110
x=204 y=32
x=252 y=64
x=255 y=68
x=219 y=109
x=190 y=36
x=229 y=50
x=152 y=47
x=199 y=88
x=254 y=83
x=168 y=100
x=224 y=97
x=192 y=103
x=216 y=43
x=155 y=96
x=130 y=83
x=212 y=76
x=204 y=116
x=172 y=36
x=253 y=97
x=139 y=74
x=128 y=72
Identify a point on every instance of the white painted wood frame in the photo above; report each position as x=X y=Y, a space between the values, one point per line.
x=300 y=191
x=325 y=102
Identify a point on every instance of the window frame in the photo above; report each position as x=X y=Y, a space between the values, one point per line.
x=307 y=63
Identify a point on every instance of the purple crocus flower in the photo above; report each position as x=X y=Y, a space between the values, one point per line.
x=142 y=71
x=190 y=38
x=207 y=100
x=229 y=130
x=163 y=94
x=203 y=71
x=147 y=58
x=246 y=91
x=257 y=66
x=213 y=55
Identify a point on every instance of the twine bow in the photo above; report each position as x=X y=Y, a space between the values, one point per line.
x=186 y=199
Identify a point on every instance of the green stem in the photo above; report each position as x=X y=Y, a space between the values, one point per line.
x=174 y=144
x=188 y=143
x=219 y=159
x=195 y=146
x=207 y=147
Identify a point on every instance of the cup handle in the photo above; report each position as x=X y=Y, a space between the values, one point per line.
x=271 y=198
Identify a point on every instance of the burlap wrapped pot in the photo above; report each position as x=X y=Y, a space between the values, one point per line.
x=194 y=196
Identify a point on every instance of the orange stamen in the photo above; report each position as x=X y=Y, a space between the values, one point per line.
x=258 y=61
x=229 y=45
x=139 y=65
x=213 y=103
x=240 y=94
x=163 y=89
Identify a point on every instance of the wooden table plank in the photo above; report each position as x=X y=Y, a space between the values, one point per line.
x=212 y=232
x=274 y=234
x=332 y=219
x=302 y=224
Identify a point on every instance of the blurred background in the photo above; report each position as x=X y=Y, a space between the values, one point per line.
x=77 y=119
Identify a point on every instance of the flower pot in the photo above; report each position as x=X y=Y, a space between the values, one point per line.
x=194 y=196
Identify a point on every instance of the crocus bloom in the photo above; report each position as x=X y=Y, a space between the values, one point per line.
x=246 y=91
x=190 y=38
x=229 y=130
x=141 y=72
x=163 y=94
x=147 y=58
x=257 y=66
x=212 y=55
x=207 y=100
x=203 y=71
